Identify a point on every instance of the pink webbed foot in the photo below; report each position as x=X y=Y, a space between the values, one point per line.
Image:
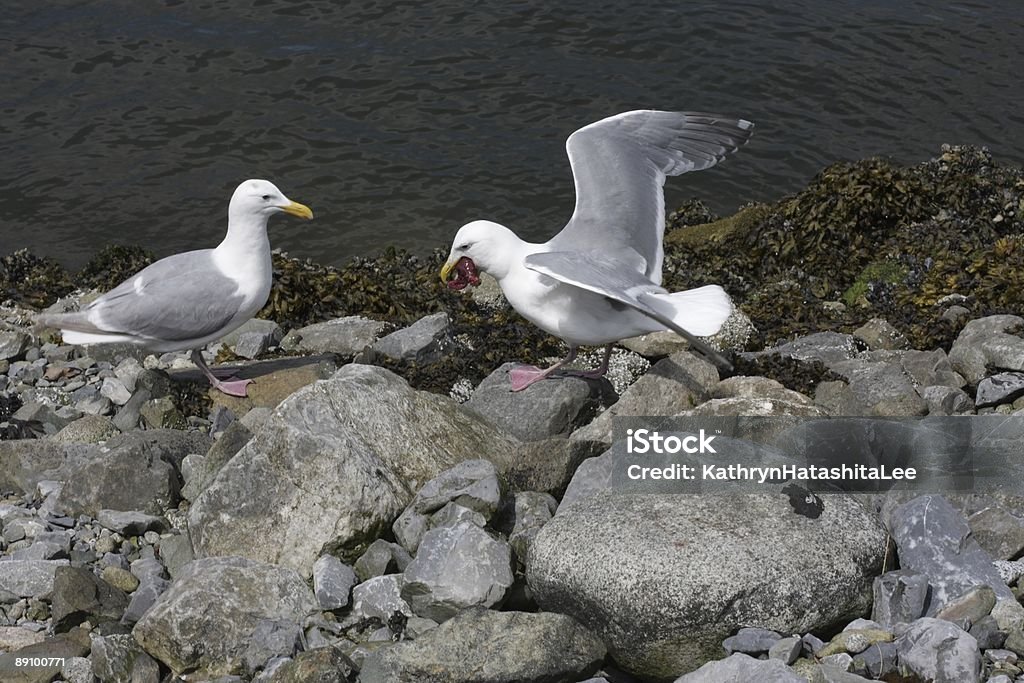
x=523 y=376
x=237 y=387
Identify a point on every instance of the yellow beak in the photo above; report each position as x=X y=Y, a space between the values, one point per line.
x=300 y=210
x=446 y=269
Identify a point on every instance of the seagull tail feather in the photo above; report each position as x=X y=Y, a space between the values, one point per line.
x=700 y=311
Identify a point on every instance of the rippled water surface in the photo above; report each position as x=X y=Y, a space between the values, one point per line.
x=397 y=121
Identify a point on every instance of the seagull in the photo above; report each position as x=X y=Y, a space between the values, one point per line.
x=187 y=300
x=598 y=281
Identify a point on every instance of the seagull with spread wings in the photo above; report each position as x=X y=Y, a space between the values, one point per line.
x=187 y=300
x=598 y=281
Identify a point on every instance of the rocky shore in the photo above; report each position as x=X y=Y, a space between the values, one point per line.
x=382 y=509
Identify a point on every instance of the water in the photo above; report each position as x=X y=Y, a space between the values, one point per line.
x=397 y=121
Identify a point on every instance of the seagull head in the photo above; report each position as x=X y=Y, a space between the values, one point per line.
x=479 y=246
x=262 y=199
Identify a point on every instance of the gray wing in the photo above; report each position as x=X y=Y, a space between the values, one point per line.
x=619 y=166
x=181 y=297
x=608 y=276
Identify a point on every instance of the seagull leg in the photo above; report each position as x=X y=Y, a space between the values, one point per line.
x=235 y=388
x=523 y=376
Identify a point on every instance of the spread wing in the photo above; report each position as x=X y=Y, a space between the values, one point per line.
x=619 y=165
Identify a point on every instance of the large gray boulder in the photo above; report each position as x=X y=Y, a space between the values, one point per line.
x=342 y=457
x=421 y=342
x=663 y=579
x=485 y=646
x=934 y=539
x=226 y=615
x=137 y=470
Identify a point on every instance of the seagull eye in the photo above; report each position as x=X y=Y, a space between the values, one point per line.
x=465 y=246
x=266 y=197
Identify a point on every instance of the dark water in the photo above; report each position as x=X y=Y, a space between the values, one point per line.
x=397 y=121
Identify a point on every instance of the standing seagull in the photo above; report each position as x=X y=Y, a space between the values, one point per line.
x=187 y=300
x=599 y=280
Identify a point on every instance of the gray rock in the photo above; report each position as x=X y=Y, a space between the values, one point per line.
x=877 y=333
x=491 y=647
x=344 y=456
x=656 y=344
x=943 y=400
x=756 y=387
x=143 y=598
x=136 y=471
x=786 y=650
x=876 y=661
x=899 y=596
x=826 y=347
x=29 y=578
x=988 y=342
x=226 y=447
x=532 y=511
x=77 y=670
x=541 y=410
x=751 y=641
x=881 y=388
x=13 y=343
x=87 y=429
x=131 y=523
x=937 y=650
x=986 y=632
x=25 y=463
x=453 y=514
x=671 y=386
x=741 y=668
x=409 y=529
x=52 y=650
x=932 y=538
x=162 y=413
x=473 y=484
x=119 y=659
x=79 y=595
x=970 y=607
x=593 y=477
x=332 y=582
x=209 y=617
x=931 y=368
x=766 y=407
x=115 y=390
x=1005 y=387
x=380 y=597
x=319 y=665
x=456 y=568
x=718 y=562
x=343 y=336
x=176 y=552
x=421 y=342
x=999 y=532
x=382 y=558
x=271 y=639
x=267 y=328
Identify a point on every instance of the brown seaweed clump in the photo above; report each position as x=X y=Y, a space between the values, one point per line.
x=31 y=280
x=885 y=240
x=111 y=266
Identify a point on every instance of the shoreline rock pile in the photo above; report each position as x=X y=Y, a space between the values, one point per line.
x=344 y=524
